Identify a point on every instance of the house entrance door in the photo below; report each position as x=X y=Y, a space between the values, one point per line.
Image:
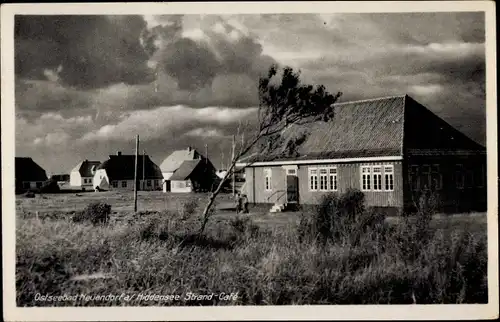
x=292 y=188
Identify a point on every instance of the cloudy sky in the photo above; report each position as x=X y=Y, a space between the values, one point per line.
x=85 y=85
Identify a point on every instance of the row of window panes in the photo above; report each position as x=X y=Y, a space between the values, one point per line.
x=327 y=179
x=430 y=176
x=27 y=184
x=124 y=183
x=371 y=178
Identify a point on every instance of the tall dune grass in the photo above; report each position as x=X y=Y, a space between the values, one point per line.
x=155 y=253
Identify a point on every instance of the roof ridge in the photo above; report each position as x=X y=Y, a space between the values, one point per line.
x=371 y=99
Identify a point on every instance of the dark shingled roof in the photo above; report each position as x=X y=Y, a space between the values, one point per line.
x=185 y=170
x=364 y=128
x=370 y=128
x=28 y=170
x=85 y=167
x=121 y=167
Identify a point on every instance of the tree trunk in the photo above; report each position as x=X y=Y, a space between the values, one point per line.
x=206 y=212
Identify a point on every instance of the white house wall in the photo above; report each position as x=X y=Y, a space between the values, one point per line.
x=167 y=175
x=181 y=186
x=98 y=178
x=75 y=179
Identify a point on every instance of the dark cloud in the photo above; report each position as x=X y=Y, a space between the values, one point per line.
x=85 y=51
x=192 y=64
x=35 y=97
x=196 y=63
x=96 y=68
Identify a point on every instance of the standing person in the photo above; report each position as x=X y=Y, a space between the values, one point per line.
x=237 y=201
x=244 y=201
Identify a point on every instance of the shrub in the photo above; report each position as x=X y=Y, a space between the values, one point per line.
x=96 y=213
x=244 y=226
x=335 y=217
x=29 y=194
x=342 y=219
x=352 y=203
x=189 y=208
x=50 y=186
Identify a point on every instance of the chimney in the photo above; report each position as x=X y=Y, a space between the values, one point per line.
x=119 y=153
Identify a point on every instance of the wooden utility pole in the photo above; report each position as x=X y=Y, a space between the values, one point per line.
x=206 y=153
x=232 y=160
x=135 y=172
x=143 y=169
x=222 y=159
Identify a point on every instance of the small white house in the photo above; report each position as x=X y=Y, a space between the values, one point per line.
x=194 y=176
x=83 y=174
x=174 y=161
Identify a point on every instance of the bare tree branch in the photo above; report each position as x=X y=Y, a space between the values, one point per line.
x=281 y=105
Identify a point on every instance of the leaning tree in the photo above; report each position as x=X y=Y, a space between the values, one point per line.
x=283 y=102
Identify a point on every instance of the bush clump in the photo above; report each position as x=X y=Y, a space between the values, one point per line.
x=244 y=226
x=96 y=213
x=337 y=218
x=29 y=194
x=189 y=208
x=50 y=186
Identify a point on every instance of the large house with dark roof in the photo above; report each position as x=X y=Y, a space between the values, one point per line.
x=117 y=173
x=28 y=174
x=83 y=174
x=186 y=161
x=393 y=149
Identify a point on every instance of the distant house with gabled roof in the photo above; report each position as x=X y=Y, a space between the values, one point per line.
x=117 y=173
x=82 y=175
x=28 y=174
x=194 y=175
x=393 y=149
x=174 y=161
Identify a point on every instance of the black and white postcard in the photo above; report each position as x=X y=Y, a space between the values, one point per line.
x=265 y=160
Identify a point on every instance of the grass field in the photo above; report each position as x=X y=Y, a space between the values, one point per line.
x=256 y=259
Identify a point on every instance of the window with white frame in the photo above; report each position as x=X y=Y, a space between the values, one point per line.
x=436 y=177
x=389 y=177
x=124 y=184
x=114 y=184
x=323 y=179
x=313 y=179
x=291 y=172
x=268 y=183
x=365 y=178
x=333 y=179
x=377 y=178
x=459 y=176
